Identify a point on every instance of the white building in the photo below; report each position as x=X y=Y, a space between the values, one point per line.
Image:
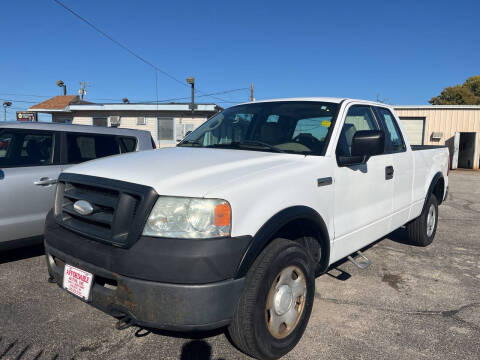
x=168 y=123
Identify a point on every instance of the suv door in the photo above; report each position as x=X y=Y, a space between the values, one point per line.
x=402 y=167
x=28 y=171
x=363 y=194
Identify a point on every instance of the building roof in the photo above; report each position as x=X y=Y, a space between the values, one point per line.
x=58 y=103
x=437 y=107
x=69 y=103
x=142 y=107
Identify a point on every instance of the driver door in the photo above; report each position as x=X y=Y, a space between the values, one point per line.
x=363 y=193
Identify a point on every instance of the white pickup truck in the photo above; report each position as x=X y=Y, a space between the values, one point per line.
x=230 y=228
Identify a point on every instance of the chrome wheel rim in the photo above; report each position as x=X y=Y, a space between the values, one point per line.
x=431 y=219
x=286 y=302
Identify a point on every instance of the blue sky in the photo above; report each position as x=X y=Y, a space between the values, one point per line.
x=406 y=51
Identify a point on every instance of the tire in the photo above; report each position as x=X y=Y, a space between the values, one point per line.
x=421 y=231
x=282 y=271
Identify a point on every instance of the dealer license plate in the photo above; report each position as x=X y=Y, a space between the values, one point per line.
x=77 y=281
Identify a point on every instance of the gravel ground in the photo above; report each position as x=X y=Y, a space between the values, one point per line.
x=411 y=303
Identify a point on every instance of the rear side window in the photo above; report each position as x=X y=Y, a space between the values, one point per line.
x=84 y=147
x=393 y=137
x=6 y=141
x=25 y=148
x=129 y=144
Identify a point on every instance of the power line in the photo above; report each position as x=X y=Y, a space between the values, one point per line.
x=10 y=94
x=124 y=47
x=136 y=101
x=118 y=42
x=204 y=95
x=22 y=101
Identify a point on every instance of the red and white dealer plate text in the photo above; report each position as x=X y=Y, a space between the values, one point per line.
x=77 y=281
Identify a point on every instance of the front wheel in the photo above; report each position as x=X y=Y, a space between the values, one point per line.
x=276 y=302
x=421 y=231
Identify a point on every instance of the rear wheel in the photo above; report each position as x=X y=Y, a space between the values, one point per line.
x=421 y=231
x=276 y=302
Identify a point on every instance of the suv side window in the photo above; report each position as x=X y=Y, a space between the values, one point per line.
x=359 y=117
x=129 y=144
x=25 y=148
x=83 y=147
x=393 y=137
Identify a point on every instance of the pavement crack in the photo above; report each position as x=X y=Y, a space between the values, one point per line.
x=9 y=347
x=452 y=314
x=25 y=349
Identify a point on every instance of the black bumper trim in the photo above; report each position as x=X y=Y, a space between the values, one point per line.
x=159 y=305
x=177 y=261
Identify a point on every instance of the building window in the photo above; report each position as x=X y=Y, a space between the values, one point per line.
x=100 y=121
x=165 y=129
x=141 y=120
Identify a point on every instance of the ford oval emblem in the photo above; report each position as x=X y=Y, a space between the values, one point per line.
x=83 y=207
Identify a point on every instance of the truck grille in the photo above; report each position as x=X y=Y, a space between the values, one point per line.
x=120 y=209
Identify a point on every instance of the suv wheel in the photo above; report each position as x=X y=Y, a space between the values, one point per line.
x=421 y=231
x=276 y=302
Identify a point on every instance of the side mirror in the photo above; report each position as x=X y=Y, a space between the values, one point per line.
x=365 y=143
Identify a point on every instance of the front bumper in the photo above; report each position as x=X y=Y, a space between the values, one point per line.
x=169 y=284
x=153 y=304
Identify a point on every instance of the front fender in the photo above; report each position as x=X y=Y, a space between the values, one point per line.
x=263 y=237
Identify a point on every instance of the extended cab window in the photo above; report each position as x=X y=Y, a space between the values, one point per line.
x=84 y=147
x=393 y=137
x=359 y=117
x=298 y=127
x=25 y=148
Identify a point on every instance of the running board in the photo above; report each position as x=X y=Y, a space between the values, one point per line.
x=363 y=263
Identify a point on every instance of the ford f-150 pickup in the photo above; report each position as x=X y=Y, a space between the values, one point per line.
x=231 y=227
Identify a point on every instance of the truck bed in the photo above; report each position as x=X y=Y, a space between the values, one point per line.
x=426 y=147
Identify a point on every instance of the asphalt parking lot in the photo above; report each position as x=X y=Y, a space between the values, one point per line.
x=411 y=303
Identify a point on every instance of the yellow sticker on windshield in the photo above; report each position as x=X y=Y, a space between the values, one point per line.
x=326 y=123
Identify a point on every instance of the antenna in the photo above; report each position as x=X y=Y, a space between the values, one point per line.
x=82 y=92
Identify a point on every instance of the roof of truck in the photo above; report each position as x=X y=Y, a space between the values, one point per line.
x=72 y=128
x=322 y=99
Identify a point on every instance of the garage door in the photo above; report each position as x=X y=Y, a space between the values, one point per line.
x=414 y=128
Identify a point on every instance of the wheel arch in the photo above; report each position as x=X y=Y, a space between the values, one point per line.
x=280 y=223
x=437 y=187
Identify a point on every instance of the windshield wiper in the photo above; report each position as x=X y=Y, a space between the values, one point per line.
x=191 y=142
x=246 y=143
x=261 y=143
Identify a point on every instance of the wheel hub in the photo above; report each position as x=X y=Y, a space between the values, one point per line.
x=286 y=302
x=283 y=299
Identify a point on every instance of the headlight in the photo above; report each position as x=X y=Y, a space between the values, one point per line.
x=189 y=218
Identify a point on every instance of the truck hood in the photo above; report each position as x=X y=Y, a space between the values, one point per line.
x=183 y=171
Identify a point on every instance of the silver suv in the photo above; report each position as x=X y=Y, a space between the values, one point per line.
x=32 y=155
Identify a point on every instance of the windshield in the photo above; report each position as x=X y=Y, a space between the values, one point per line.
x=299 y=127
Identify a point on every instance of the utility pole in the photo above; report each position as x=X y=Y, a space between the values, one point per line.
x=191 y=81
x=252 y=98
x=82 y=92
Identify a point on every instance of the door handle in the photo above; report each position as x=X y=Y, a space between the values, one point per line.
x=45 y=181
x=389 y=172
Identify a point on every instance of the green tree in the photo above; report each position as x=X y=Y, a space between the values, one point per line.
x=466 y=94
